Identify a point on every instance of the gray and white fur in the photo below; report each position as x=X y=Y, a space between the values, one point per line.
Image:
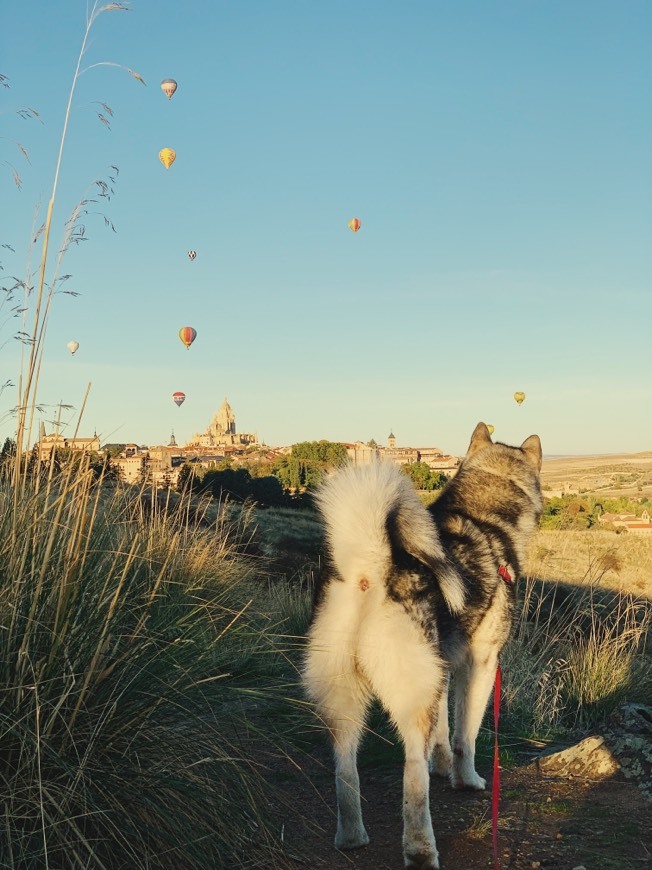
x=414 y=596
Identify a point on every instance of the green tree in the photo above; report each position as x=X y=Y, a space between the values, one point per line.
x=308 y=462
x=267 y=491
x=423 y=477
x=145 y=474
x=114 y=450
x=8 y=451
x=228 y=483
x=7 y=455
x=186 y=477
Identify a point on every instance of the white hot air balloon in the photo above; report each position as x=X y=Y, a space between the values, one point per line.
x=73 y=346
x=168 y=86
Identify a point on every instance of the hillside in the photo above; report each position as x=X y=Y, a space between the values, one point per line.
x=609 y=476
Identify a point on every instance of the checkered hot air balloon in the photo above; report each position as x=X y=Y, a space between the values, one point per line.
x=192 y=255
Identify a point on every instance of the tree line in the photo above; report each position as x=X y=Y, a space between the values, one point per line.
x=573 y=512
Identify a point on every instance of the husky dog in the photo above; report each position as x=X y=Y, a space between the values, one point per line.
x=414 y=595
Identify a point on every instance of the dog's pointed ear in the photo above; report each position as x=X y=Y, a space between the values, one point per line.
x=532 y=449
x=480 y=438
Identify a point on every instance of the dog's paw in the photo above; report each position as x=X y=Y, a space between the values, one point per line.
x=354 y=839
x=441 y=760
x=422 y=861
x=470 y=780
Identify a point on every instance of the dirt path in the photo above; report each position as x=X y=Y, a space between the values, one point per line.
x=544 y=823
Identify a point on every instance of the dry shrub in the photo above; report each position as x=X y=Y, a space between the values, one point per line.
x=576 y=655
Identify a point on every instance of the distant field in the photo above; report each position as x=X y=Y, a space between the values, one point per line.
x=609 y=476
x=622 y=562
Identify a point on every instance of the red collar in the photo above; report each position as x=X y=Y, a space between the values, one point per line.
x=507 y=577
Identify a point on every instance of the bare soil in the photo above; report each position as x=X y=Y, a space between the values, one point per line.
x=544 y=822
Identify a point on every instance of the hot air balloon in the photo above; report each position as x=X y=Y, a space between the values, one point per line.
x=355 y=224
x=179 y=398
x=187 y=335
x=167 y=157
x=168 y=86
x=490 y=428
x=192 y=255
x=73 y=346
x=519 y=397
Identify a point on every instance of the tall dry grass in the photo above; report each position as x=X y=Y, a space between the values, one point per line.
x=620 y=562
x=130 y=651
x=132 y=654
x=576 y=654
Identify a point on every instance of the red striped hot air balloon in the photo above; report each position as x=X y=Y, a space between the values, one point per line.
x=187 y=335
x=179 y=398
x=355 y=224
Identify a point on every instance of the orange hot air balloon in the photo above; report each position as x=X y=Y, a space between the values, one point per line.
x=167 y=157
x=355 y=224
x=187 y=335
x=179 y=398
x=519 y=397
x=490 y=428
x=168 y=86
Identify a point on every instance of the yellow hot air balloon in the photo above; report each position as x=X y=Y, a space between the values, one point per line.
x=519 y=397
x=490 y=428
x=168 y=86
x=167 y=157
x=355 y=224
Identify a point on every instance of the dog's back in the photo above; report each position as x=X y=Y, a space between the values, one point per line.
x=369 y=513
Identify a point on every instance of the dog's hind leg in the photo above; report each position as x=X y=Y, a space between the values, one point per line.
x=341 y=696
x=440 y=753
x=415 y=723
x=473 y=683
x=407 y=676
x=346 y=731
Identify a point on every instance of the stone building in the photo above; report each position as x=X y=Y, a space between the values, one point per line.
x=57 y=441
x=362 y=454
x=221 y=431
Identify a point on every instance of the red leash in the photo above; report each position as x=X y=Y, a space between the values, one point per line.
x=495 y=791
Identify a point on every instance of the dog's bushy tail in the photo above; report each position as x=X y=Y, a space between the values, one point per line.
x=371 y=508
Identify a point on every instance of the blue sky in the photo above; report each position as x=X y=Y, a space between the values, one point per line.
x=497 y=154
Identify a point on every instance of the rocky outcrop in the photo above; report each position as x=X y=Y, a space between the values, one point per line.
x=624 y=746
x=590 y=758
